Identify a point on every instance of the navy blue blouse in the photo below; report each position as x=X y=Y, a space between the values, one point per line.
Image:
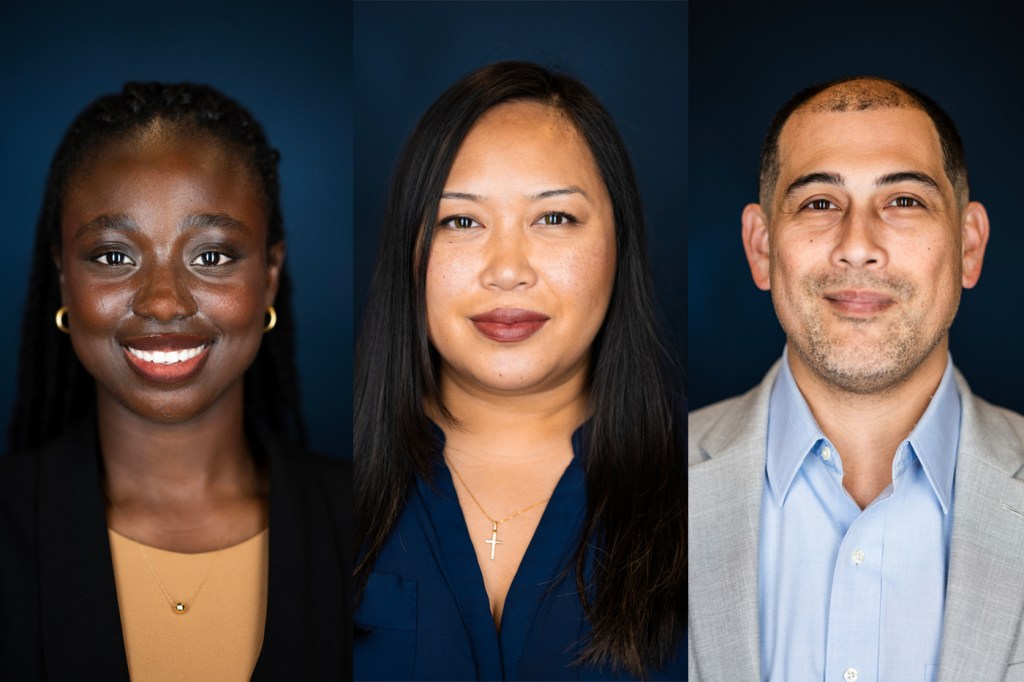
x=425 y=612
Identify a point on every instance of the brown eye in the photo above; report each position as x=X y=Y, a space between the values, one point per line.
x=905 y=202
x=211 y=259
x=820 y=205
x=113 y=259
x=557 y=218
x=459 y=222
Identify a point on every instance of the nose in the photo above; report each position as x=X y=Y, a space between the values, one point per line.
x=164 y=293
x=858 y=244
x=508 y=257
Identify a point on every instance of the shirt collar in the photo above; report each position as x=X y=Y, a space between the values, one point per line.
x=793 y=434
x=936 y=437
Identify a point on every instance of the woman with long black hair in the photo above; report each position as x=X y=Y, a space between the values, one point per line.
x=163 y=520
x=519 y=480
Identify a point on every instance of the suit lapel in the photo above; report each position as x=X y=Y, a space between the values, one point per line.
x=302 y=637
x=724 y=522
x=985 y=587
x=81 y=623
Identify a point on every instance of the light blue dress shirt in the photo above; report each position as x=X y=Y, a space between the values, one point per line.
x=851 y=595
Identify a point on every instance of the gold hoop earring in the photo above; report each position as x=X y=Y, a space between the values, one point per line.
x=61 y=312
x=272 y=322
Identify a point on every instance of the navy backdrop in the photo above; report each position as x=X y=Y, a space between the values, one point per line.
x=288 y=64
x=632 y=55
x=745 y=65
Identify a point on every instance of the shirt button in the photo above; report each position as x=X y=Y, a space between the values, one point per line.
x=826 y=454
x=858 y=559
x=851 y=675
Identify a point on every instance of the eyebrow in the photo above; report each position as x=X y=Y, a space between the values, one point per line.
x=908 y=176
x=812 y=179
x=546 y=194
x=118 y=222
x=201 y=221
x=121 y=222
x=881 y=181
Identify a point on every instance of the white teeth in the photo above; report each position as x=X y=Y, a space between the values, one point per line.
x=166 y=357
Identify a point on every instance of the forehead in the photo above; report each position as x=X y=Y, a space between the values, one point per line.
x=873 y=141
x=162 y=169
x=524 y=136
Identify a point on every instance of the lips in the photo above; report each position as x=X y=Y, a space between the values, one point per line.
x=509 y=325
x=167 y=358
x=859 y=303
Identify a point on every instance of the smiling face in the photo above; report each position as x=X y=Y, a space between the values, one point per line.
x=865 y=247
x=166 y=273
x=522 y=260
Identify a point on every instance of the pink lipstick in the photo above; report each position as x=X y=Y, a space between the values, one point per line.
x=509 y=325
x=167 y=358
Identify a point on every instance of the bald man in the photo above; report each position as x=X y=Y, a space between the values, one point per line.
x=859 y=516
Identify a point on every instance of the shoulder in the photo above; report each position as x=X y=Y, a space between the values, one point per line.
x=20 y=643
x=990 y=432
x=17 y=500
x=712 y=428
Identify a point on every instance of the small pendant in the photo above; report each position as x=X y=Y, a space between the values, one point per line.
x=180 y=608
x=494 y=541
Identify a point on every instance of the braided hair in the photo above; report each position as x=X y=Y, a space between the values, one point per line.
x=53 y=386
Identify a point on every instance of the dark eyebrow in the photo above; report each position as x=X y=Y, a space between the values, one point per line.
x=572 y=189
x=546 y=194
x=908 y=176
x=813 y=178
x=124 y=223
x=881 y=181
x=202 y=221
x=461 y=195
x=116 y=221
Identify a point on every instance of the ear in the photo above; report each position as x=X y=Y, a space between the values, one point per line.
x=755 y=244
x=275 y=261
x=974 y=238
x=58 y=265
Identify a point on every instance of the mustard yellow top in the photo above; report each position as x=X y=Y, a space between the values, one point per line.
x=219 y=635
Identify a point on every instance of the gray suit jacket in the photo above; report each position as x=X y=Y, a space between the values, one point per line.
x=983 y=637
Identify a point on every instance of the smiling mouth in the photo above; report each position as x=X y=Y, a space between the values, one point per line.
x=853 y=303
x=167 y=359
x=171 y=357
x=509 y=325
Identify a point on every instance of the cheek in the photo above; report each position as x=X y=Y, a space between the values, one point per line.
x=238 y=305
x=584 y=275
x=447 y=277
x=92 y=305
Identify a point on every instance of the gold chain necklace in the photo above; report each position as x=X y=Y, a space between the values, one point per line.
x=179 y=607
x=494 y=541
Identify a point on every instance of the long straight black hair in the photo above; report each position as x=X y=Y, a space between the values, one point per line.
x=53 y=387
x=634 y=529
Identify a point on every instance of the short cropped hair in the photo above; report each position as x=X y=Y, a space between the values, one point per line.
x=861 y=93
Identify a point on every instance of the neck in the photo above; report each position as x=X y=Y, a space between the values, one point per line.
x=501 y=428
x=163 y=465
x=867 y=429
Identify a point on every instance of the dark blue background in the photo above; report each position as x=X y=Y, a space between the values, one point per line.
x=288 y=63
x=746 y=64
x=632 y=55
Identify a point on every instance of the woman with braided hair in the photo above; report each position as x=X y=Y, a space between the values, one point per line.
x=162 y=519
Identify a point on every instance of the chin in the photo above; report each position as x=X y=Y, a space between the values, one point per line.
x=513 y=380
x=864 y=369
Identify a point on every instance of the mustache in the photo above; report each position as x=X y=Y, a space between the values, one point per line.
x=897 y=286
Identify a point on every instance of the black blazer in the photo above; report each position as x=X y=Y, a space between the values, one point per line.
x=59 y=617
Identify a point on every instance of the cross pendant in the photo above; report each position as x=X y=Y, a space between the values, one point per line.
x=494 y=541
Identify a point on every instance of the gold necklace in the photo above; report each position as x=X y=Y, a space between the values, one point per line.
x=179 y=607
x=494 y=541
